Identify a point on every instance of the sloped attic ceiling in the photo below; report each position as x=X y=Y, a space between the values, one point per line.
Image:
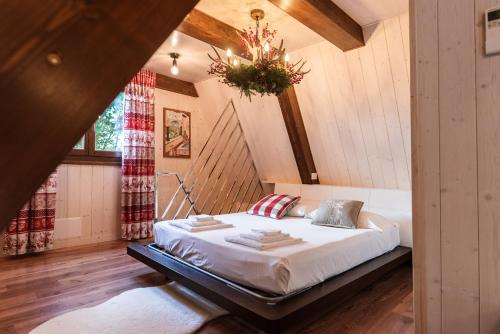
x=194 y=62
x=355 y=107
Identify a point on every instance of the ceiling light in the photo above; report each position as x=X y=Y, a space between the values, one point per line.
x=266 y=47
x=174 y=69
x=270 y=71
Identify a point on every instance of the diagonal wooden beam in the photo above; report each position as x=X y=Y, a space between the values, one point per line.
x=326 y=19
x=61 y=64
x=175 y=85
x=207 y=29
x=298 y=136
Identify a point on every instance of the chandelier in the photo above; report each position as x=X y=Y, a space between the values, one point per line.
x=270 y=70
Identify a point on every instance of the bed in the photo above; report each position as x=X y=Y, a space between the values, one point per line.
x=325 y=252
x=275 y=288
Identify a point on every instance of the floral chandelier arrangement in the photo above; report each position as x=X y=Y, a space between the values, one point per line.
x=270 y=71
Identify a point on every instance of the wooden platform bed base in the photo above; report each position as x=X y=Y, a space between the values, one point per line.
x=269 y=313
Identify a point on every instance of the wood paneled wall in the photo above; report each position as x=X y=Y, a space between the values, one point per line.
x=456 y=179
x=267 y=137
x=204 y=112
x=264 y=129
x=93 y=194
x=356 y=108
x=356 y=111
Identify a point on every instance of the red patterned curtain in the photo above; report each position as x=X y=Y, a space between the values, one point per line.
x=138 y=163
x=32 y=230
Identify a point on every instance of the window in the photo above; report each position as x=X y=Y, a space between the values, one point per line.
x=102 y=143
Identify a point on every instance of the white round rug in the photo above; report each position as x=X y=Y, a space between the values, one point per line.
x=168 y=309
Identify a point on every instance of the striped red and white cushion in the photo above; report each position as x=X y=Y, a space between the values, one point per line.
x=274 y=206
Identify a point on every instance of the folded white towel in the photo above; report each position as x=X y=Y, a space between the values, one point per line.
x=266 y=231
x=184 y=226
x=201 y=218
x=265 y=238
x=202 y=223
x=259 y=245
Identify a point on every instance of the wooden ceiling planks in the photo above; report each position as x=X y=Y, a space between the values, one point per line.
x=175 y=85
x=326 y=19
x=61 y=64
x=212 y=31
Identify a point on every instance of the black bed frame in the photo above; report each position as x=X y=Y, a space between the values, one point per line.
x=271 y=314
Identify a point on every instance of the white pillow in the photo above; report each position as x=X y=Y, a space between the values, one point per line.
x=373 y=221
x=303 y=207
x=311 y=214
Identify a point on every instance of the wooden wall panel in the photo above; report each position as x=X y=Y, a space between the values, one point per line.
x=398 y=132
x=356 y=108
x=321 y=124
x=458 y=170
x=425 y=168
x=455 y=124
x=91 y=193
x=297 y=135
x=488 y=140
x=266 y=134
x=375 y=162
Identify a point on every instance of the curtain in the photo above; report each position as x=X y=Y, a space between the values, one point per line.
x=137 y=209
x=32 y=230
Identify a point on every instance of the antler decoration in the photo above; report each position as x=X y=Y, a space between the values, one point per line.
x=270 y=71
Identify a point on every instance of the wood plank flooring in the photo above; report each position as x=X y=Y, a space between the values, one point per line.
x=38 y=287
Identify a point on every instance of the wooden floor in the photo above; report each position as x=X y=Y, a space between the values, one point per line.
x=36 y=288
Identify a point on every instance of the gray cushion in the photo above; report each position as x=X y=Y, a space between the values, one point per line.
x=338 y=213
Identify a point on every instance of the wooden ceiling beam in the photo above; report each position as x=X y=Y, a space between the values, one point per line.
x=207 y=29
x=298 y=137
x=326 y=19
x=175 y=85
x=61 y=64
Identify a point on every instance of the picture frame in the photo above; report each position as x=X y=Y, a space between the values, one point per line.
x=176 y=133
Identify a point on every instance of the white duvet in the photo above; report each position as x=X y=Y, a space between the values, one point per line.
x=325 y=252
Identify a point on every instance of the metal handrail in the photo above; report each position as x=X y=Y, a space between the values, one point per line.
x=214 y=168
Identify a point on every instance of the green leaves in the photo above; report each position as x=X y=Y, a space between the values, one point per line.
x=108 y=127
x=252 y=80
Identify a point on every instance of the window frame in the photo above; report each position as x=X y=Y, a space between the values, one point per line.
x=90 y=156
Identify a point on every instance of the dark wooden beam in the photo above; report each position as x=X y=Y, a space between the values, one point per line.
x=326 y=19
x=61 y=63
x=212 y=31
x=298 y=136
x=175 y=85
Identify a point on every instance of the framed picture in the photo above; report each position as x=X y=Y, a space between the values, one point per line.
x=176 y=133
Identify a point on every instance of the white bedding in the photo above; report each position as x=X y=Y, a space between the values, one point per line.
x=325 y=252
